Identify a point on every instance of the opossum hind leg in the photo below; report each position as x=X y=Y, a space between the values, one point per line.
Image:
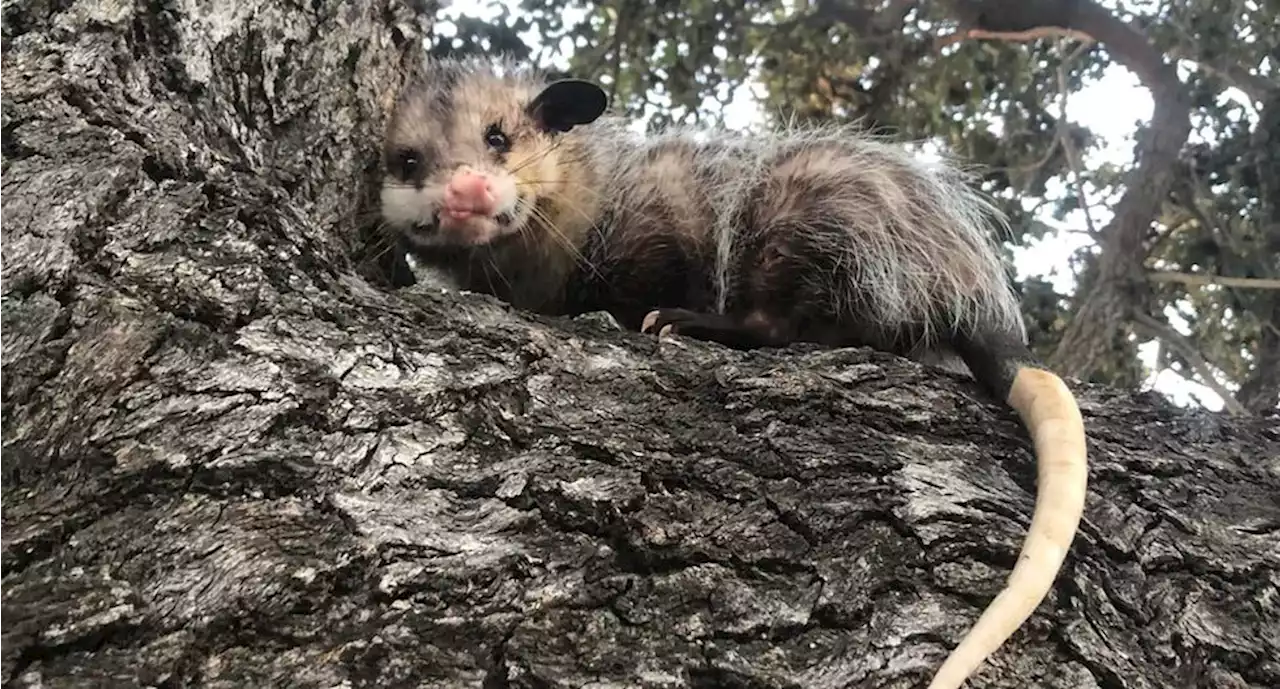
x=1004 y=365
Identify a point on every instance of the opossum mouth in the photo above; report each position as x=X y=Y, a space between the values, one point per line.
x=426 y=229
x=503 y=219
x=453 y=231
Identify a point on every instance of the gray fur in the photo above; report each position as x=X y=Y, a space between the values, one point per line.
x=920 y=247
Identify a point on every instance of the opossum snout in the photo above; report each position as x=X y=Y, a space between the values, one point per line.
x=468 y=193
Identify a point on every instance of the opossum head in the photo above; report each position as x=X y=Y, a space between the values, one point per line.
x=475 y=152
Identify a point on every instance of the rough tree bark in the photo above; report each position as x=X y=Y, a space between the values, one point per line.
x=230 y=460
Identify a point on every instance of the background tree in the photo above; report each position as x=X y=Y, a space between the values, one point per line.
x=1187 y=259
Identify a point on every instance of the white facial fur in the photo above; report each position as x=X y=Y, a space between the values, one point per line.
x=445 y=118
x=417 y=212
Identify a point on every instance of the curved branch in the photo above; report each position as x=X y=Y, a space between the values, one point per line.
x=1166 y=334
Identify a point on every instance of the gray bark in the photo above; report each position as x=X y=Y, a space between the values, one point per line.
x=232 y=459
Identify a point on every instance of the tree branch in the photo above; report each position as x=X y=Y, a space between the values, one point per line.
x=281 y=471
x=1224 y=280
x=1010 y=36
x=1165 y=332
x=1068 y=147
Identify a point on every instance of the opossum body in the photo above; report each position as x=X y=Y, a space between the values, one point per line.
x=523 y=189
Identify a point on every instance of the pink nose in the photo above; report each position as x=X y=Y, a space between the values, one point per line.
x=469 y=192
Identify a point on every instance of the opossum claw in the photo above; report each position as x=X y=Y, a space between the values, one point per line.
x=649 y=321
x=709 y=327
x=678 y=321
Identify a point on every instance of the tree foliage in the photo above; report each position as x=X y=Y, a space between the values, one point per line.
x=998 y=101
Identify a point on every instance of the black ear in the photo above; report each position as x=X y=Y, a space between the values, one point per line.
x=567 y=103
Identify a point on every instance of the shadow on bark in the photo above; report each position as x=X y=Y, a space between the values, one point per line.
x=232 y=460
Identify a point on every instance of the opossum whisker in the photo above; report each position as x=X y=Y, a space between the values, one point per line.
x=563 y=197
x=490 y=263
x=382 y=241
x=562 y=239
x=541 y=155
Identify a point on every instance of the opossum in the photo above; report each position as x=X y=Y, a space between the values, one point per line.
x=521 y=186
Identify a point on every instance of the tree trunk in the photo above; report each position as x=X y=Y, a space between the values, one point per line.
x=230 y=460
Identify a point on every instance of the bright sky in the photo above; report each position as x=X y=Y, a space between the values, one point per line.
x=1111 y=107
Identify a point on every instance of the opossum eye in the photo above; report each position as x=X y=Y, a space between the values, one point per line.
x=496 y=139
x=407 y=163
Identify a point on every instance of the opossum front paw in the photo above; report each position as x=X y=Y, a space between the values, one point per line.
x=672 y=322
x=710 y=327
